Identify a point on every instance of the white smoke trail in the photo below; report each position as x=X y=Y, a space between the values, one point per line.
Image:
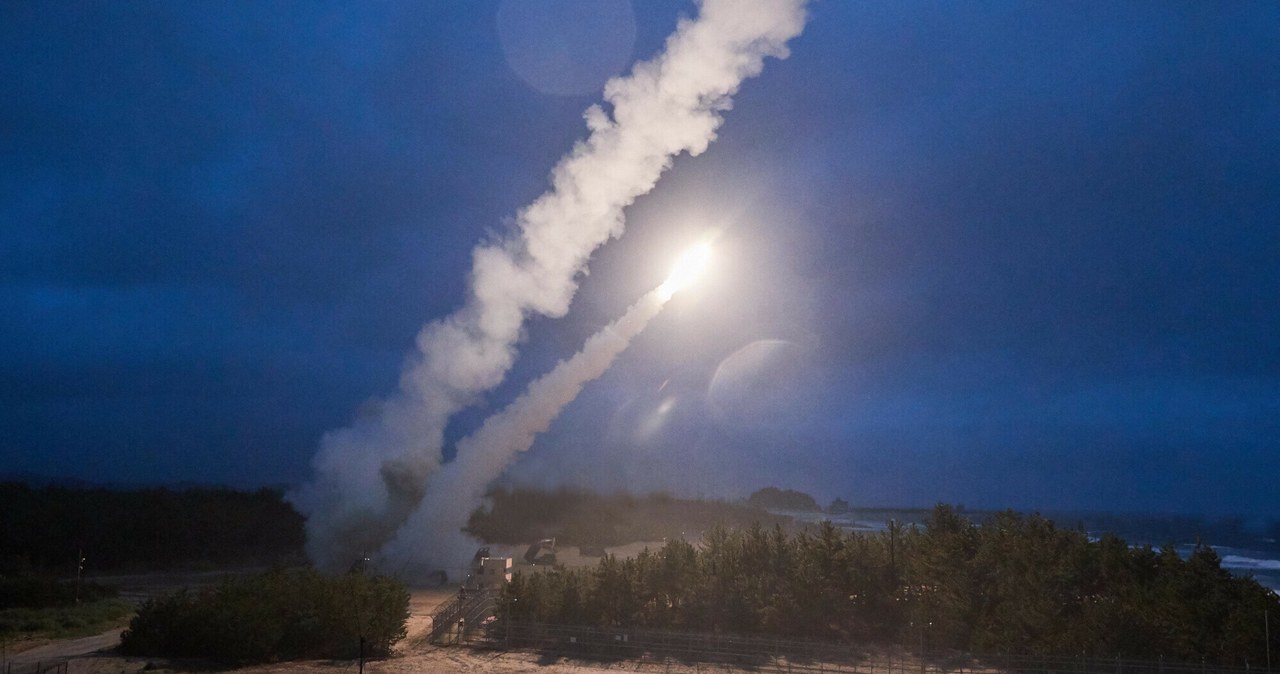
x=432 y=538
x=370 y=476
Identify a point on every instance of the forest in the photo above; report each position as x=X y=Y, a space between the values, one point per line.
x=782 y=499
x=45 y=528
x=1013 y=584
x=579 y=517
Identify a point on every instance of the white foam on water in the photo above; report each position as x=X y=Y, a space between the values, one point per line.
x=1240 y=562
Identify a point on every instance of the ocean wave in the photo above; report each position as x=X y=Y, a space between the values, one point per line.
x=1239 y=562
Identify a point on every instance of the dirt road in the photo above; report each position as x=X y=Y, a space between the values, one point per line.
x=62 y=649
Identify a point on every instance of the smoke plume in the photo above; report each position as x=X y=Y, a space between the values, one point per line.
x=371 y=475
x=432 y=536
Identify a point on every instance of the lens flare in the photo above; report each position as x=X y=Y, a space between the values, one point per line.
x=687 y=269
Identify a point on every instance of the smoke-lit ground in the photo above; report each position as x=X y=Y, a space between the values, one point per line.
x=376 y=481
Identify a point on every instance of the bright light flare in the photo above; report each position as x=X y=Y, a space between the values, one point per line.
x=687 y=269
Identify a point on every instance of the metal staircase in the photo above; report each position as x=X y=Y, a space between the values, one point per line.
x=466 y=611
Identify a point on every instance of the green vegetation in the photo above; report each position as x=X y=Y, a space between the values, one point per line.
x=144 y=530
x=1014 y=584
x=274 y=616
x=60 y=622
x=782 y=499
x=575 y=517
x=33 y=606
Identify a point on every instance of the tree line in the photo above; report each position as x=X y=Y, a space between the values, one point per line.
x=783 y=499
x=1012 y=584
x=43 y=529
x=580 y=517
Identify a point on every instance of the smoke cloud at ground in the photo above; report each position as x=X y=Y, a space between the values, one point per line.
x=370 y=476
x=432 y=536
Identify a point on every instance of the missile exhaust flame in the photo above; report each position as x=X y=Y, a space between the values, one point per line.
x=688 y=268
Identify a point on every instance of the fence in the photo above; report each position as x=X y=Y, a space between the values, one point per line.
x=781 y=655
x=59 y=667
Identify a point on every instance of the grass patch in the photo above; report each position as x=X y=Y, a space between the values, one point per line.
x=61 y=622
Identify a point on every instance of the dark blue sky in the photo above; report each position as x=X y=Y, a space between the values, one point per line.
x=1005 y=254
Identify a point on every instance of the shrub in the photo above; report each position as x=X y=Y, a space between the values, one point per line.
x=278 y=615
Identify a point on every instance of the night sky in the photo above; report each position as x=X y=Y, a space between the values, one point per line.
x=1005 y=254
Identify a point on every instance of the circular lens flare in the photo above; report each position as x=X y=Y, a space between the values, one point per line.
x=687 y=269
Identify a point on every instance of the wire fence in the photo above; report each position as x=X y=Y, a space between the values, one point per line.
x=781 y=655
x=55 y=667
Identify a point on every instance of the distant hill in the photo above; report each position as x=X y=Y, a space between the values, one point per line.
x=34 y=479
x=41 y=480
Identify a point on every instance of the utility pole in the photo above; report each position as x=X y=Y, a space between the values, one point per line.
x=79 y=570
x=923 y=664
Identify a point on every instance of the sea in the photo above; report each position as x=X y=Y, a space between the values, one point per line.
x=1246 y=546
